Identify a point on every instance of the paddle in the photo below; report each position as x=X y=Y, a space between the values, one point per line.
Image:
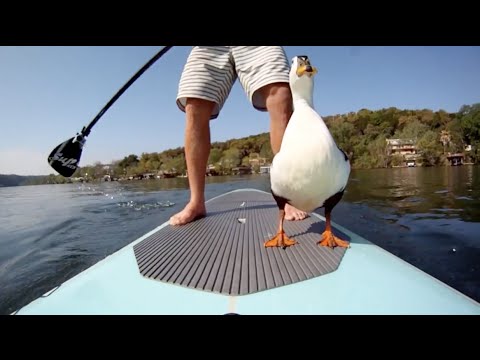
x=65 y=158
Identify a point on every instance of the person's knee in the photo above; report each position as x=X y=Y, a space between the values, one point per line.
x=199 y=108
x=198 y=104
x=278 y=95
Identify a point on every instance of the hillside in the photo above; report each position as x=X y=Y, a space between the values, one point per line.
x=17 y=180
x=363 y=135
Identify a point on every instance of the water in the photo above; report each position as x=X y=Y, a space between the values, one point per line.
x=428 y=217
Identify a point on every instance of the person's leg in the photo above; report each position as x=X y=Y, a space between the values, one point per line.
x=197 y=149
x=201 y=96
x=278 y=100
x=264 y=74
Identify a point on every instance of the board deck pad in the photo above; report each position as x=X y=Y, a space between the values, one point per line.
x=224 y=252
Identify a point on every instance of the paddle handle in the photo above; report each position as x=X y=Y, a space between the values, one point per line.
x=86 y=130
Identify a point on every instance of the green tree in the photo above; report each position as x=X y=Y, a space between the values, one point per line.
x=430 y=148
x=378 y=152
x=129 y=161
x=445 y=139
x=215 y=155
x=231 y=158
x=456 y=144
x=343 y=132
x=412 y=130
x=179 y=164
x=397 y=160
x=245 y=161
x=360 y=134
x=266 y=151
x=470 y=122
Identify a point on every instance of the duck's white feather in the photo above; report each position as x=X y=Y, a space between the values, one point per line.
x=309 y=168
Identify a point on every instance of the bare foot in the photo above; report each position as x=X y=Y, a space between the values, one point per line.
x=292 y=213
x=190 y=213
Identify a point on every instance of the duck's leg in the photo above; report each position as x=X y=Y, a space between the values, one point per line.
x=328 y=239
x=281 y=239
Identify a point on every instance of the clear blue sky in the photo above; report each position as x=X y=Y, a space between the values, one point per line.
x=47 y=94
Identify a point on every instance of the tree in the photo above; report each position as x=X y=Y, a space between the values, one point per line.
x=371 y=132
x=378 y=152
x=430 y=148
x=179 y=164
x=360 y=134
x=98 y=170
x=129 y=161
x=266 y=151
x=413 y=130
x=215 y=156
x=445 y=139
x=456 y=137
x=397 y=160
x=470 y=122
x=231 y=158
x=343 y=134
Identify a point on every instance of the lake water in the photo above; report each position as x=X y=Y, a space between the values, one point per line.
x=429 y=217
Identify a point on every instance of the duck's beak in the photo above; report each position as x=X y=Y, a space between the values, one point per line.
x=306 y=69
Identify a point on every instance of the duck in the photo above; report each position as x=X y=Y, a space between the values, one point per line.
x=310 y=171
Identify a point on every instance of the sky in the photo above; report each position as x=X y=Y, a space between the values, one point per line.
x=47 y=95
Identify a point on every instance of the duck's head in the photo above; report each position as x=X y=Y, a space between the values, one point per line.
x=301 y=67
x=301 y=78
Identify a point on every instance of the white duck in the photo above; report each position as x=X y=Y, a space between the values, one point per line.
x=309 y=171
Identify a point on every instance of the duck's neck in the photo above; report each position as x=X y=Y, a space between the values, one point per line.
x=302 y=91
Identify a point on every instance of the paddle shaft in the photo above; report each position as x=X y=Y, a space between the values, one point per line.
x=86 y=130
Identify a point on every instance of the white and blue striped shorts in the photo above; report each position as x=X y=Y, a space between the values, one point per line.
x=211 y=71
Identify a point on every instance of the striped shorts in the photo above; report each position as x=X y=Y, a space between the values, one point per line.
x=211 y=71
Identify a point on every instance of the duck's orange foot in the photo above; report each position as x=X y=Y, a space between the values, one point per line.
x=330 y=240
x=281 y=240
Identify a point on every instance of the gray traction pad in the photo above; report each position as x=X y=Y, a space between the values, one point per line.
x=225 y=255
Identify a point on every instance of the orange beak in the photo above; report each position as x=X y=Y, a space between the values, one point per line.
x=306 y=69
